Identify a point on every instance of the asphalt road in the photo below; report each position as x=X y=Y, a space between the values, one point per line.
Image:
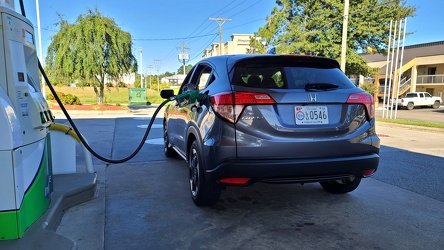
x=145 y=203
x=418 y=113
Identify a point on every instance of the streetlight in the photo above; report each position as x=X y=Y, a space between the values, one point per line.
x=141 y=67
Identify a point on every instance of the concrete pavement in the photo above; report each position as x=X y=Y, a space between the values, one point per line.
x=124 y=217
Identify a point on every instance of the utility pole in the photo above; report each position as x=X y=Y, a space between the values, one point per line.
x=344 y=36
x=220 y=21
x=157 y=63
x=141 y=67
x=184 y=57
x=150 y=67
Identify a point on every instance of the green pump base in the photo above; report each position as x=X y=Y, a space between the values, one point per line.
x=69 y=190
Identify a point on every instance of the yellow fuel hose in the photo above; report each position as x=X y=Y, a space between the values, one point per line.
x=65 y=129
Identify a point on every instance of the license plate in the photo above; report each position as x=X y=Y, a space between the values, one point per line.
x=311 y=115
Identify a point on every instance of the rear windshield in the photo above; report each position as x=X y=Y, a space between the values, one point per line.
x=288 y=76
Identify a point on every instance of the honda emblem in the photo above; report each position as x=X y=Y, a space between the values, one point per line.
x=312 y=97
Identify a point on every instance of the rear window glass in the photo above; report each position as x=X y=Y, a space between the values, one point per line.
x=287 y=76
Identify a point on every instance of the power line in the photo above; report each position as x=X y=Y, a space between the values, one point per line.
x=236 y=6
x=261 y=19
x=170 y=39
x=205 y=45
x=246 y=8
x=206 y=19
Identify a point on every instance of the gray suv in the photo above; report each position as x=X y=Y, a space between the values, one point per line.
x=240 y=119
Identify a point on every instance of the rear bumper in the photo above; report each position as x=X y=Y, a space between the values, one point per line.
x=294 y=170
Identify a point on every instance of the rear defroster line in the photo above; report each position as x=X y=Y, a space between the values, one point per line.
x=83 y=141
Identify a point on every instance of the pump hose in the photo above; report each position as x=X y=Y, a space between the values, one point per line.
x=142 y=142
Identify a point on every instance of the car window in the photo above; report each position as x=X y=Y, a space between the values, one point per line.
x=199 y=79
x=288 y=77
x=201 y=76
x=427 y=95
x=259 y=77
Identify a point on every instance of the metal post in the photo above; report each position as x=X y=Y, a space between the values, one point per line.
x=344 y=36
x=391 y=66
x=400 y=70
x=396 y=64
x=386 y=72
x=37 y=6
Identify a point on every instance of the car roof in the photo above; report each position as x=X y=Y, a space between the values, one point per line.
x=230 y=60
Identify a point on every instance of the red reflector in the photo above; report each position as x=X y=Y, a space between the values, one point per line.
x=235 y=181
x=368 y=172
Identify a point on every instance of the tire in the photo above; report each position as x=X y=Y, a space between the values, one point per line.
x=341 y=186
x=167 y=149
x=203 y=193
x=410 y=106
x=436 y=105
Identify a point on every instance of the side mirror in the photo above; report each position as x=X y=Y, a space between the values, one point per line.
x=166 y=93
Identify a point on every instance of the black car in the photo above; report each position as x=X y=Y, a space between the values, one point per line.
x=240 y=119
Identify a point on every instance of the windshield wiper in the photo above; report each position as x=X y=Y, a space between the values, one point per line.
x=320 y=86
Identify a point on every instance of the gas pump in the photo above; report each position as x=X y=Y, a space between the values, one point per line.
x=25 y=162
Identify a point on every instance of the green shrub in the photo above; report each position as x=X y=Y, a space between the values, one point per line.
x=121 y=85
x=51 y=97
x=69 y=99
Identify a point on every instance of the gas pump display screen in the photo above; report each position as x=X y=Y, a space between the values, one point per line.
x=29 y=37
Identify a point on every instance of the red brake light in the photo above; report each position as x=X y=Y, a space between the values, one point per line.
x=366 y=99
x=234 y=181
x=230 y=105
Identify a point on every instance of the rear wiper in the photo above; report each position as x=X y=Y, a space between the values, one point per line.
x=320 y=86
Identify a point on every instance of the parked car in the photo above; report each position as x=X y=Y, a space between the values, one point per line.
x=241 y=119
x=418 y=99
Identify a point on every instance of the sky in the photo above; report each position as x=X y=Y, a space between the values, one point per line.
x=160 y=27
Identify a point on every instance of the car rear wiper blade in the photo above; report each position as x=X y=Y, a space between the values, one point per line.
x=320 y=86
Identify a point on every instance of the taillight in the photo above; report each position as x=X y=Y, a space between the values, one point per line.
x=230 y=105
x=367 y=100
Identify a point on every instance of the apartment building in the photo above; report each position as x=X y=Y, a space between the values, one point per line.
x=239 y=44
x=422 y=70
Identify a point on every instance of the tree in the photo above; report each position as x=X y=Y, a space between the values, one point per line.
x=93 y=49
x=187 y=69
x=315 y=28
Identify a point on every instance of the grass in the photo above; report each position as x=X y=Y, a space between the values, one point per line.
x=112 y=95
x=412 y=122
x=120 y=96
